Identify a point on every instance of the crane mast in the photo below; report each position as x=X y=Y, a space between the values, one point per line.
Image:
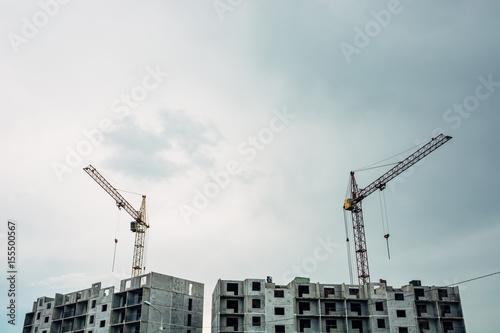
x=139 y=226
x=353 y=203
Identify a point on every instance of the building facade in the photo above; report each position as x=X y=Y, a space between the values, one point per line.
x=143 y=304
x=258 y=305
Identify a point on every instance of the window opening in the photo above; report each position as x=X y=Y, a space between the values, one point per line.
x=256 y=303
x=329 y=291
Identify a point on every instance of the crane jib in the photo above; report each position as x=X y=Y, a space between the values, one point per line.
x=138 y=226
x=402 y=166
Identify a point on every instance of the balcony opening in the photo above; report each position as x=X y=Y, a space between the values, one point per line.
x=232 y=304
x=423 y=325
x=331 y=324
x=445 y=309
x=447 y=326
x=419 y=293
x=421 y=308
x=232 y=287
x=232 y=322
x=304 y=323
x=330 y=308
x=357 y=324
x=442 y=293
x=303 y=290
x=304 y=306
x=356 y=307
x=279 y=329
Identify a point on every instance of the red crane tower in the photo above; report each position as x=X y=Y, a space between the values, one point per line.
x=353 y=203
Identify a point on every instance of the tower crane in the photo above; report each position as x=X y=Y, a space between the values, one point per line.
x=139 y=226
x=353 y=204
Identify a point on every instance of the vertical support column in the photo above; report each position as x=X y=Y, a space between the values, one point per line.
x=359 y=234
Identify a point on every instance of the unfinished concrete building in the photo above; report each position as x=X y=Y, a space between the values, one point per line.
x=143 y=304
x=258 y=305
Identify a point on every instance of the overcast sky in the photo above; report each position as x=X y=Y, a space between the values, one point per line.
x=276 y=100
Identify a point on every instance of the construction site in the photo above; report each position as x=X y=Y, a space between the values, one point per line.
x=153 y=302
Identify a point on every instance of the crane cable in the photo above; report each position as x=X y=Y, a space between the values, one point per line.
x=349 y=255
x=385 y=220
x=117 y=231
x=146 y=243
x=388 y=158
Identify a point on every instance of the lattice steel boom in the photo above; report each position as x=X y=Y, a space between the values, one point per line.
x=353 y=204
x=139 y=225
